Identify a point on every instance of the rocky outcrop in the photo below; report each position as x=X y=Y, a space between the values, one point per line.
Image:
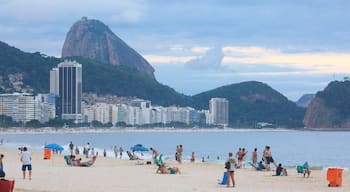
x=92 y=39
x=330 y=109
x=318 y=115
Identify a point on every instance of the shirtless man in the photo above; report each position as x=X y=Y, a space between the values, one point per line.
x=154 y=152
x=268 y=158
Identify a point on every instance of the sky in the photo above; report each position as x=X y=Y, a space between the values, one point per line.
x=295 y=46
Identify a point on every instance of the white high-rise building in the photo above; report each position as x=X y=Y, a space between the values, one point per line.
x=218 y=108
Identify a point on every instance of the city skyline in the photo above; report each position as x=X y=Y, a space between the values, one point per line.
x=296 y=47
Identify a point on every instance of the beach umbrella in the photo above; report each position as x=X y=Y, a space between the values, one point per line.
x=54 y=146
x=139 y=147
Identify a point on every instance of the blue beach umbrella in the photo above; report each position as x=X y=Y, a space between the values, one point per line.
x=54 y=146
x=139 y=147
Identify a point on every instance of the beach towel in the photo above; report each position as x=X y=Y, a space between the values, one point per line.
x=224 y=179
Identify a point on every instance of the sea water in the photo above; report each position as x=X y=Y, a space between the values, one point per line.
x=319 y=148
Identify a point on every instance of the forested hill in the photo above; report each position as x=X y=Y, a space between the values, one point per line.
x=252 y=102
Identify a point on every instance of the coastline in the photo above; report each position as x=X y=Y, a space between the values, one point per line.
x=23 y=130
x=112 y=174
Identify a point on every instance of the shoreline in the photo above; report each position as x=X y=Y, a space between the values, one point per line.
x=23 y=130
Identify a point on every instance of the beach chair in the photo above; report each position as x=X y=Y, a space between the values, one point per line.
x=158 y=161
x=68 y=160
x=131 y=157
x=224 y=179
x=300 y=169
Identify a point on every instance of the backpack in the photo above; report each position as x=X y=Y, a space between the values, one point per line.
x=227 y=165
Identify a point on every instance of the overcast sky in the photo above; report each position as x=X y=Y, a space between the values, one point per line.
x=295 y=46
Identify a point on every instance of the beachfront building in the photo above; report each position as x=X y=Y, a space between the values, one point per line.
x=47 y=107
x=69 y=89
x=54 y=81
x=20 y=106
x=218 y=108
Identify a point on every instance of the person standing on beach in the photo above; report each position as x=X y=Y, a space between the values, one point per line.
x=121 y=152
x=76 y=150
x=231 y=164
x=115 y=149
x=255 y=156
x=239 y=157
x=87 y=150
x=179 y=154
x=71 y=147
x=1 y=161
x=26 y=163
x=193 y=157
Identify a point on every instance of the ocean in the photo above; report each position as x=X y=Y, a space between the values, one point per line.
x=289 y=147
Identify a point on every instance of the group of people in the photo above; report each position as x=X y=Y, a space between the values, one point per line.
x=267 y=159
x=116 y=151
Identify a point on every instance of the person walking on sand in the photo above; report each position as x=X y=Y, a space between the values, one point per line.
x=268 y=157
x=230 y=165
x=26 y=163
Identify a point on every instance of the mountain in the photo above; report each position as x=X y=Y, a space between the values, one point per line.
x=30 y=72
x=253 y=102
x=93 y=39
x=330 y=108
x=249 y=102
x=305 y=100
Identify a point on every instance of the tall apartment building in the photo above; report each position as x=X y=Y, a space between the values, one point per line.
x=21 y=107
x=218 y=108
x=69 y=87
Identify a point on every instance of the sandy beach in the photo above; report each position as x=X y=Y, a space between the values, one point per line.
x=108 y=174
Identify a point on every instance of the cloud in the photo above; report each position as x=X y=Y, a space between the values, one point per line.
x=164 y=60
x=42 y=10
x=310 y=62
x=211 y=60
x=200 y=49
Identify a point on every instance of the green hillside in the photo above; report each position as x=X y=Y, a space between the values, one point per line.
x=252 y=102
x=98 y=78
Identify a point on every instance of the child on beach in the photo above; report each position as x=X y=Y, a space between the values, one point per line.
x=26 y=163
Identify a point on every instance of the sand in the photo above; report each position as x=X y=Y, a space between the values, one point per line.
x=109 y=174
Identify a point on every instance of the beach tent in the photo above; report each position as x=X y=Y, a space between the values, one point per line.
x=139 y=147
x=54 y=146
